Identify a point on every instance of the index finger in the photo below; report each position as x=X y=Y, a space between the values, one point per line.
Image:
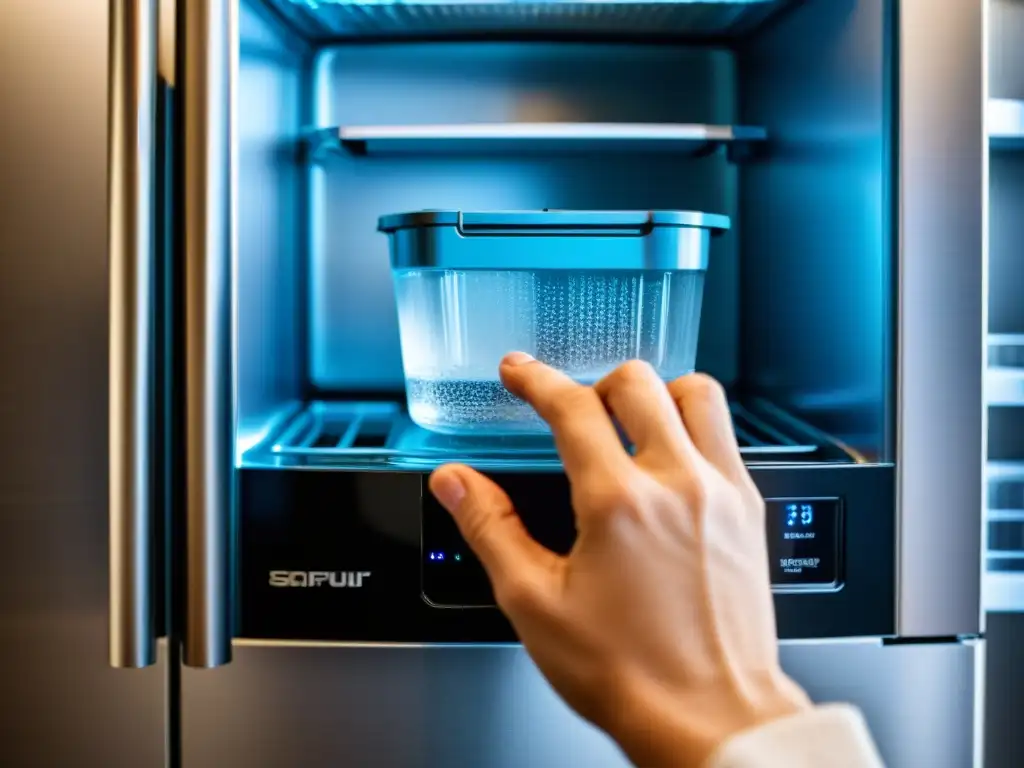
x=584 y=434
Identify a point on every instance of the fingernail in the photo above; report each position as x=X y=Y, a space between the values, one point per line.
x=516 y=358
x=448 y=489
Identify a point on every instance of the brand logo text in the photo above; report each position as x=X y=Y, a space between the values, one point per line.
x=336 y=579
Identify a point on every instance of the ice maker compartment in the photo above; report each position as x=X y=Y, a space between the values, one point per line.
x=639 y=296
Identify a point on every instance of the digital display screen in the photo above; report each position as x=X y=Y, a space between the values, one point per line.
x=805 y=542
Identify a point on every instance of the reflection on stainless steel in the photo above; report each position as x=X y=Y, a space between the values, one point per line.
x=209 y=72
x=919 y=700
x=63 y=704
x=942 y=297
x=903 y=691
x=131 y=210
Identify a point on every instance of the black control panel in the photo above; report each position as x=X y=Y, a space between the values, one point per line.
x=805 y=541
x=371 y=557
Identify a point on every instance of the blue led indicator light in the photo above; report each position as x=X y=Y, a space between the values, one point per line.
x=458 y=556
x=433 y=556
x=791 y=514
x=440 y=555
x=806 y=514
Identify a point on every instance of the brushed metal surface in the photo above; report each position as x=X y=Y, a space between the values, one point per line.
x=131 y=202
x=941 y=314
x=210 y=39
x=63 y=704
x=921 y=701
x=409 y=707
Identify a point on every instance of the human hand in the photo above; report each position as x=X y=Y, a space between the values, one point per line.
x=659 y=625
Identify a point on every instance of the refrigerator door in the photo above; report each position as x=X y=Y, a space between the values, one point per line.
x=64 y=705
x=490 y=707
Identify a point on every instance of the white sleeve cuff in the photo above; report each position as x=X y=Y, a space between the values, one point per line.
x=833 y=735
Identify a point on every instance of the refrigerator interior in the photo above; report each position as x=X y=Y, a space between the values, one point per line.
x=776 y=117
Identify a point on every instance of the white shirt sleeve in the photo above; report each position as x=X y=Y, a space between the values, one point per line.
x=828 y=736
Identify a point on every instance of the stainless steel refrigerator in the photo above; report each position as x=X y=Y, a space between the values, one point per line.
x=214 y=379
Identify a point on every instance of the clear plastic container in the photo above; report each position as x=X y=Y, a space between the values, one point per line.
x=457 y=323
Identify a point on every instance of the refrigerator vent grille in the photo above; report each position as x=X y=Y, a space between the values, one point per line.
x=324 y=20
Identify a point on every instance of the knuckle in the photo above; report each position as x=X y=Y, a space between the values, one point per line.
x=632 y=373
x=699 y=386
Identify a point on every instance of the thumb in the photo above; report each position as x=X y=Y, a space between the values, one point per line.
x=490 y=525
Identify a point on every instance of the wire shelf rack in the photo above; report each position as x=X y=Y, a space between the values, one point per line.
x=380 y=435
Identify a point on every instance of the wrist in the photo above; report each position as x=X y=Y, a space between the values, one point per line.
x=659 y=728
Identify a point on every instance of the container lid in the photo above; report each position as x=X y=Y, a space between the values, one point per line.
x=553 y=220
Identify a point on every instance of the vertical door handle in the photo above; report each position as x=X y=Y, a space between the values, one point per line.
x=208 y=61
x=131 y=207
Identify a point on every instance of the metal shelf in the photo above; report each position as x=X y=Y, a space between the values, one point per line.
x=1005 y=119
x=696 y=20
x=539 y=138
x=380 y=435
x=1004 y=379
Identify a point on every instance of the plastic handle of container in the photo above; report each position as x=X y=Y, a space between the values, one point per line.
x=581 y=225
x=210 y=35
x=131 y=209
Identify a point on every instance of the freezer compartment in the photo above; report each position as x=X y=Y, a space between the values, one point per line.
x=583 y=291
x=336 y=556
x=705 y=20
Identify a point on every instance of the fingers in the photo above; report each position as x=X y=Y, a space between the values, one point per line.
x=583 y=431
x=639 y=400
x=483 y=512
x=705 y=410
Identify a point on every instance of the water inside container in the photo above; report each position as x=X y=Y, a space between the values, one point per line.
x=457 y=325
